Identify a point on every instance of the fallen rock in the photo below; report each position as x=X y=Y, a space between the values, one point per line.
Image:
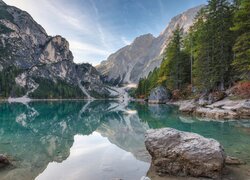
x=159 y=95
x=184 y=154
x=233 y=161
x=3 y=161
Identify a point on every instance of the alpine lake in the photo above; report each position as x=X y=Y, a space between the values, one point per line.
x=99 y=140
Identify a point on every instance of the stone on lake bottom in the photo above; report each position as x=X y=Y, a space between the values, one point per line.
x=3 y=161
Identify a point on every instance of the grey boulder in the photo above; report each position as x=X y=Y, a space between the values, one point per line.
x=159 y=95
x=184 y=154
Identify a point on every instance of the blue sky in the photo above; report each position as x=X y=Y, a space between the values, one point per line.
x=97 y=28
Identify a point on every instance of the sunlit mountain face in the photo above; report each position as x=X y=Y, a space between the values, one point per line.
x=96 y=140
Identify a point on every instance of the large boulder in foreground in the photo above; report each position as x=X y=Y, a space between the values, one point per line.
x=184 y=154
x=159 y=95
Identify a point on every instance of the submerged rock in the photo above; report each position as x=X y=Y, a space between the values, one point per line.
x=234 y=161
x=159 y=95
x=4 y=161
x=184 y=154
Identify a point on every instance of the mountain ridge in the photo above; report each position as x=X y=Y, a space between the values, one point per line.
x=34 y=64
x=123 y=67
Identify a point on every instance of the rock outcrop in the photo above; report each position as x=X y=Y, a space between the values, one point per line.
x=225 y=109
x=207 y=99
x=37 y=60
x=134 y=61
x=184 y=154
x=187 y=106
x=159 y=95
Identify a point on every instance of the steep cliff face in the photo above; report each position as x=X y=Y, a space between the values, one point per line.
x=31 y=60
x=132 y=62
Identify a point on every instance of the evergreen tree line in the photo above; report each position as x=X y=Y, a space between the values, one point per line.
x=8 y=86
x=212 y=56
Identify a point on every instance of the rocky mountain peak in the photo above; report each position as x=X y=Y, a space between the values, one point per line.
x=132 y=62
x=143 y=38
x=35 y=64
x=184 y=20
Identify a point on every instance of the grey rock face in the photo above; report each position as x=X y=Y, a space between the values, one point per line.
x=26 y=45
x=134 y=61
x=56 y=50
x=159 y=95
x=22 y=38
x=184 y=154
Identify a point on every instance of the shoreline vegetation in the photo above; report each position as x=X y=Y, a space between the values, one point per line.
x=209 y=64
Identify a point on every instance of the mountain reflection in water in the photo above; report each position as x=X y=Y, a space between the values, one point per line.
x=96 y=140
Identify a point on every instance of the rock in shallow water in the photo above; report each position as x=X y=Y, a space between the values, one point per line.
x=3 y=161
x=159 y=95
x=184 y=154
x=233 y=161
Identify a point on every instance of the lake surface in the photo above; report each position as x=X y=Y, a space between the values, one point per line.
x=98 y=140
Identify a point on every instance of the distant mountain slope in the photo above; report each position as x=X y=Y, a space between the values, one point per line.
x=134 y=61
x=40 y=66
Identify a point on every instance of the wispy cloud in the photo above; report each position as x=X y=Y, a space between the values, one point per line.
x=68 y=16
x=96 y=28
x=88 y=48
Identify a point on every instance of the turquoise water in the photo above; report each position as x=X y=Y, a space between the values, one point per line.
x=97 y=140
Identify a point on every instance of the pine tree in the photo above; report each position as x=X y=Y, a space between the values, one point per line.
x=175 y=69
x=241 y=47
x=213 y=56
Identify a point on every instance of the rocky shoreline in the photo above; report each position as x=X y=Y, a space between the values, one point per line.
x=225 y=109
x=217 y=105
